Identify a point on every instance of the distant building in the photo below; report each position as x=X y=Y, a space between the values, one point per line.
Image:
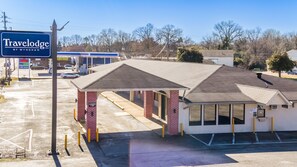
x=292 y=54
x=225 y=57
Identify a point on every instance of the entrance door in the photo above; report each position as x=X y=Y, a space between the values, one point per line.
x=163 y=107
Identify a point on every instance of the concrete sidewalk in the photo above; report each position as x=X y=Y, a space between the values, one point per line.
x=154 y=123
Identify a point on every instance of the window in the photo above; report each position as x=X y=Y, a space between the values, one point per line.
x=195 y=115
x=224 y=114
x=239 y=113
x=210 y=114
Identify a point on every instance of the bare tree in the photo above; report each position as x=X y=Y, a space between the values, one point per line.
x=123 y=40
x=227 y=32
x=107 y=38
x=76 y=39
x=145 y=35
x=170 y=36
x=210 y=42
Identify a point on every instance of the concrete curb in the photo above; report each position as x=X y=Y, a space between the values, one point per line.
x=118 y=105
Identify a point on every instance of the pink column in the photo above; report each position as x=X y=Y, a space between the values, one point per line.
x=148 y=103
x=172 y=112
x=91 y=121
x=80 y=114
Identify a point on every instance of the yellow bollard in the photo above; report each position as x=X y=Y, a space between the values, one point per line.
x=181 y=129
x=254 y=124
x=89 y=135
x=272 y=124
x=65 y=142
x=233 y=129
x=163 y=131
x=97 y=135
x=78 y=138
x=74 y=114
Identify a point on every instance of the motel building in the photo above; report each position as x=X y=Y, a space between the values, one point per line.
x=204 y=98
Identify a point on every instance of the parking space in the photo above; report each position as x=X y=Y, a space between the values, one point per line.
x=267 y=137
x=288 y=136
x=246 y=138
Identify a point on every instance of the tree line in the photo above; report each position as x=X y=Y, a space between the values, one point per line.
x=252 y=46
x=146 y=40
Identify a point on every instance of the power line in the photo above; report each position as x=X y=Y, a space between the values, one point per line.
x=4 y=20
x=7 y=61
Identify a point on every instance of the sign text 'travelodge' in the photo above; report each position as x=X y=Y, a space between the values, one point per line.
x=25 y=44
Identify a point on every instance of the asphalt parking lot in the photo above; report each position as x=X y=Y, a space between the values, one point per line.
x=247 y=138
x=25 y=122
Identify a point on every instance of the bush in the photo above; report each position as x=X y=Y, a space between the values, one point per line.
x=189 y=55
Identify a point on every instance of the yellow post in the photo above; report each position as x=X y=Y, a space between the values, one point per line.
x=181 y=129
x=233 y=126
x=74 y=114
x=254 y=124
x=65 y=142
x=97 y=135
x=78 y=138
x=163 y=131
x=272 y=124
x=89 y=135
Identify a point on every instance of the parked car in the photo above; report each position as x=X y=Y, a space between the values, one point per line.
x=294 y=72
x=68 y=66
x=69 y=75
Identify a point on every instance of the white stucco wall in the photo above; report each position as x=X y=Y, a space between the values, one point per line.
x=228 y=61
x=284 y=120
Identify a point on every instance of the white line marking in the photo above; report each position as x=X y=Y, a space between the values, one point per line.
x=233 y=138
x=32 y=108
x=257 y=139
x=211 y=139
x=4 y=140
x=30 y=139
x=277 y=136
x=9 y=140
x=198 y=139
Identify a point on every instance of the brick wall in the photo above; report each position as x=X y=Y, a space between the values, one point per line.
x=91 y=121
x=172 y=113
x=148 y=103
x=80 y=106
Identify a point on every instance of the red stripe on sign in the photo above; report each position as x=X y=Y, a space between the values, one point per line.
x=24 y=60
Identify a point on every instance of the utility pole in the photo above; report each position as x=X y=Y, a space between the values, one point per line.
x=54 y=43
x=7 y=61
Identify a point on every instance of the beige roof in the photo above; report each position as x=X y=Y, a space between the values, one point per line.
x=188 y=75
x=217 y=53
x=264 y=95
x=231 y=97
x=203 y=83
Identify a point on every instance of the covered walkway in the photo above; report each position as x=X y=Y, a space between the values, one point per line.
x=122 y=77
x=154 y=123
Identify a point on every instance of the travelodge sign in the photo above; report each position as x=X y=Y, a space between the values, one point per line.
x=25 y=44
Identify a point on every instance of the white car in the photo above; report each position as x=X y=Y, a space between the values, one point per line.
x=68 y=66
x=69 y=75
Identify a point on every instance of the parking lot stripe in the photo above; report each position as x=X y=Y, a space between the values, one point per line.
x=256 y=136
x=211 y=139
x=198 y=139
x=9 y=140
x=233 y=138
x=277 y=136
x=32 y=109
